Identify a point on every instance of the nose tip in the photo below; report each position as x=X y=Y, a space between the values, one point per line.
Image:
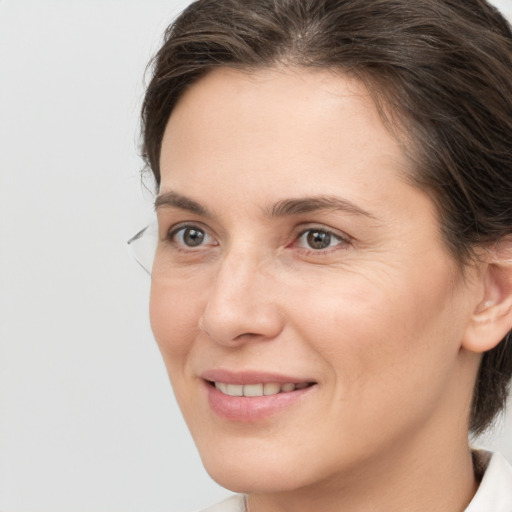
x=233 y=328
x=240 y=307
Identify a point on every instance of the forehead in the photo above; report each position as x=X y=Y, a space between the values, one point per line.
x=227 y=96
x=275 y=121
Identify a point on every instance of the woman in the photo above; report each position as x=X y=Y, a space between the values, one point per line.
x=332 y=287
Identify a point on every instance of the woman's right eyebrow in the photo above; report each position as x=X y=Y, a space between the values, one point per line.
x=175 y=200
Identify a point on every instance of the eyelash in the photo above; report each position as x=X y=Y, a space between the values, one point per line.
x=174 y=232
x=342 y=241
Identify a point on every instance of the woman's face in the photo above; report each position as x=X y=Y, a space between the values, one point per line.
x=298 y=265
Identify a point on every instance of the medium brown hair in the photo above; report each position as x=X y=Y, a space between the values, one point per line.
x=441 y=69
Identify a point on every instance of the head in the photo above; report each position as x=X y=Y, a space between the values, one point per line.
x=438 y=74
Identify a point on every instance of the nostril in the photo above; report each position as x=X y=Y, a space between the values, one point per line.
x=247 y=335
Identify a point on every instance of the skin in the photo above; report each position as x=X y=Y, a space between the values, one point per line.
x=378 y=320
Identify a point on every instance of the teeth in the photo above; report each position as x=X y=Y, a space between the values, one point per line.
x=253 y=390
x=235 y=390
x=269 y=388
x=222 y=387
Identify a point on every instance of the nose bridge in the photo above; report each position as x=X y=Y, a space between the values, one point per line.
x=237 y=269
x=239 y=304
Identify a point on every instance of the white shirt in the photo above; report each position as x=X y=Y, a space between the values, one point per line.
x=494 y=493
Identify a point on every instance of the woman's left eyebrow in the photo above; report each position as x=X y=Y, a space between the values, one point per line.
x=317 y=203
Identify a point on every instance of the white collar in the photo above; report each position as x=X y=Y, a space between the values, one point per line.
x=495 y=491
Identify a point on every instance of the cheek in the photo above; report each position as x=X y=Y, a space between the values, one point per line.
x=383 y=338
x=174 y=315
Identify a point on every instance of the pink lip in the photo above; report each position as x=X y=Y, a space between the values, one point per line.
x=252 y=377
x=251 y=409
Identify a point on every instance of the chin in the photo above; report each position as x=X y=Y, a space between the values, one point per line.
x=250 y=479
x=259 y=471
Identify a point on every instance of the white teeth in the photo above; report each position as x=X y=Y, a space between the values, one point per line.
x=269 y=388
x=235 y=390
x=221 y=386
x=253 y=390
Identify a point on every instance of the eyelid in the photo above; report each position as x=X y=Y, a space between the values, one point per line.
x=342 y=238
x=324 y=229
x=311 y=226
x=171 y=233
x=165 y=229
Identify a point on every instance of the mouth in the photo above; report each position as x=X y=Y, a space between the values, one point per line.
x=253 y=396
x=258 y=390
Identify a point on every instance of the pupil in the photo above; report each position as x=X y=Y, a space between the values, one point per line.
x=318 y=239
x=193 y=237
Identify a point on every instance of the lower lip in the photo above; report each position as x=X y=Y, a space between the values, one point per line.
x=254 y=408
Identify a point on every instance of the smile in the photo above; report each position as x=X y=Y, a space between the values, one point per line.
x=262 y=389
x=254 y=395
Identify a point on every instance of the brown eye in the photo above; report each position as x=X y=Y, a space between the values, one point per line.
x=318 y=239
x=190 y=236
x=193 y=237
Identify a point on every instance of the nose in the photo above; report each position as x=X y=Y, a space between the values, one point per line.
x=241 y=303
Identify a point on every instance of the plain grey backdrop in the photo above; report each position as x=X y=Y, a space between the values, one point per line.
x=88 y=422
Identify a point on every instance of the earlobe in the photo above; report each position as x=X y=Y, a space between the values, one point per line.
x=492 y=316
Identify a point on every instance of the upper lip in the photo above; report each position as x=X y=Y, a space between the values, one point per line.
x=250 y=377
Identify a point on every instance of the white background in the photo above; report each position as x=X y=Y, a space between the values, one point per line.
x=87 y=419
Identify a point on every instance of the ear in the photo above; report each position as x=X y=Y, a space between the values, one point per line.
x=492 y=317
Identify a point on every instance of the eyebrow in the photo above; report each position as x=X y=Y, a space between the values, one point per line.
x=317 y=203
x=175 y=200
x=283 y=208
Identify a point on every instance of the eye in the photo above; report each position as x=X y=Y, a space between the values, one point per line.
x=190 y=237
x=319 y=239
